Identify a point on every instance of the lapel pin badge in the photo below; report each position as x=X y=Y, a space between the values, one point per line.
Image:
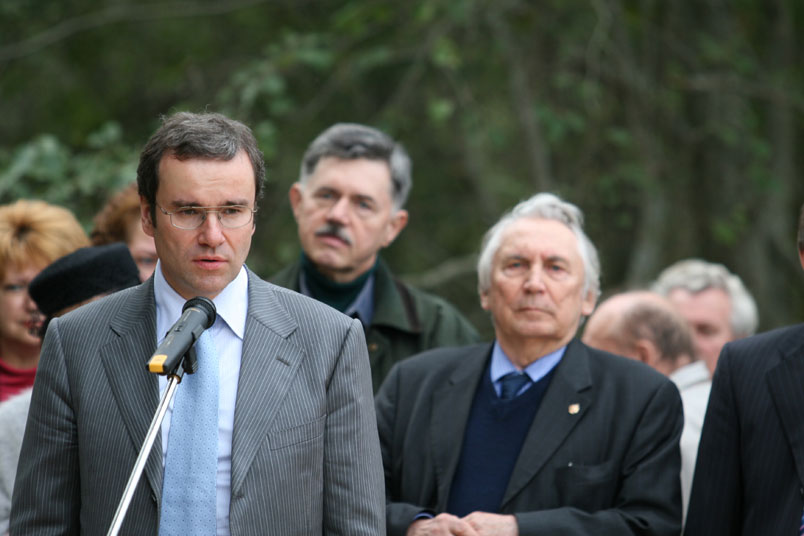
x=574 y=409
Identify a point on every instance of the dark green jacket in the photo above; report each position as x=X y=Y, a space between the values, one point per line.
x=406 y=320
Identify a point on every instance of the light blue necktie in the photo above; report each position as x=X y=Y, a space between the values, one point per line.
x=188 y=490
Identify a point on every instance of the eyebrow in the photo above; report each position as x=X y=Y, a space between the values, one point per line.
x=180 y=203
x=558 y=259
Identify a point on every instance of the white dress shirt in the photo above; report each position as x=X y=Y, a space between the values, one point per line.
x=694 y=384
x=228 y=332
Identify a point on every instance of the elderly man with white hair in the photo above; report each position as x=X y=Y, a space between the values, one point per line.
x=535 y=433
x=713 y=301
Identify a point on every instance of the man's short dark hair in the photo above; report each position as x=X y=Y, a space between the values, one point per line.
x=351 y=141
x=186 y=135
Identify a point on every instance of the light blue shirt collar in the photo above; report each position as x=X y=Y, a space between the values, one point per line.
x=502 y=365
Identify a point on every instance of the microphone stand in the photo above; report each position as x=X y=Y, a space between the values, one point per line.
x=188 y=364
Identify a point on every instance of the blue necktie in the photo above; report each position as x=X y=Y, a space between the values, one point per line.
x=511 y=383
x=189 y=487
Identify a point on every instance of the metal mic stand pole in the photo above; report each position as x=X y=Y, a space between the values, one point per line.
x=174 y=379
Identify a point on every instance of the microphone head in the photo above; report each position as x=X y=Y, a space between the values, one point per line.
x=205 y=305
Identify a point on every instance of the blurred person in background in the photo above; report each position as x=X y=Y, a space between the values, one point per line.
x=749 y=476
x=32 y=235
x=119 y=221
x=349 y=204
x=646 y=327
x=80 y=277
x=714 y=302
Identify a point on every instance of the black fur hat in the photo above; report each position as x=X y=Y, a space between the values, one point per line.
x=83 y=274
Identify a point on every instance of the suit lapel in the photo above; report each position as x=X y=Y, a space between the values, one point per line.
x=786 y=385
x=451 y=406
x=268 y=364
x=134 y=389
x=565 y=402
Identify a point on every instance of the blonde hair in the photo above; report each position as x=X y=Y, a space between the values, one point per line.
x=37 y=233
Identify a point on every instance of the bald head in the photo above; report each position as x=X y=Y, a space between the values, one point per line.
x=644 y=326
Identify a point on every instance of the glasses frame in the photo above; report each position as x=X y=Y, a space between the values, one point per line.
x=204 y=218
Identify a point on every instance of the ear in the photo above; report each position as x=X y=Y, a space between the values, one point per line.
x=588 y=303
x=295 y=195
x=484 y=300
x=145 y=217
x=801 y=257
x=647 y=352
x=398 y=222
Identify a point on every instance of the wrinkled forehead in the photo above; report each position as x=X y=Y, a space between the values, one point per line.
x=532 y=237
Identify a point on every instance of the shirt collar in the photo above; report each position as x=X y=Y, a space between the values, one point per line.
x=501 y=364
x=230 y=304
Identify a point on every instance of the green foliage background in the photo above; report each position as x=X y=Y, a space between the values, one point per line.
x=673 y=125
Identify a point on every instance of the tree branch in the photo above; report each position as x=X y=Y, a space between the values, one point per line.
x=116 y=14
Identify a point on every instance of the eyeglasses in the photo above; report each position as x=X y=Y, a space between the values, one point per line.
x=231 y=216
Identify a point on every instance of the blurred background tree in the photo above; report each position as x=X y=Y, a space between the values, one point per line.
x=673 y=125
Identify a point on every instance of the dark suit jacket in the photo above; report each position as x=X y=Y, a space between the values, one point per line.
x=749 y=475
x=305 y=455
x=608 y=466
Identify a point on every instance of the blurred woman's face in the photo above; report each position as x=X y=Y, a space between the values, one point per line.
x=20 y=319
x=142 y=249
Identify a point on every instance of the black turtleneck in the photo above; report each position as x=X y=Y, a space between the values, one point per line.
x=336 y=295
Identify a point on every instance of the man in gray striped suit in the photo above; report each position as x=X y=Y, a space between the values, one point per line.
x=297 y=447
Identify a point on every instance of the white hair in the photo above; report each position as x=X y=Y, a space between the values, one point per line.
x=546 y=207
x=696 y=275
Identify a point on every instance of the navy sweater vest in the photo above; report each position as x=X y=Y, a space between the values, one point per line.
x=494 y=435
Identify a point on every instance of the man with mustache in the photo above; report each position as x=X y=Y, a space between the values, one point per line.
x=537 y=433
x=348 y=204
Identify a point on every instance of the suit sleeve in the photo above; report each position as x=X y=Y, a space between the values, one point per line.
x=399 y=515
x=648 y=497
x=715 y=505
x=47 y=488
x=353 y=501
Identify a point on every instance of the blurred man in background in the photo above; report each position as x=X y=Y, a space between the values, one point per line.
x=646 y=327
x=714 y=301
x=349 y=204
x=749 y=475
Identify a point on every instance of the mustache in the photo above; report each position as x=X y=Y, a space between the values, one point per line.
x=333 y=229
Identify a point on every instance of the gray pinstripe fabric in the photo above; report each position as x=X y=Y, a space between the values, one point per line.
x=749 y=473
x=305 y=454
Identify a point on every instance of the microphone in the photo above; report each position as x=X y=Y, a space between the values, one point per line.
x=198 y=314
